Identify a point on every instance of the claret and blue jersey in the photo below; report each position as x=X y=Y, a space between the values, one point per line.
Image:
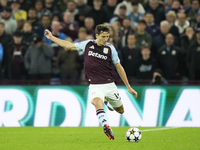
x=97 y=61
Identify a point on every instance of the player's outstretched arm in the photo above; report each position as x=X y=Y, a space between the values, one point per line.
x=62 y=43
x=123 y=76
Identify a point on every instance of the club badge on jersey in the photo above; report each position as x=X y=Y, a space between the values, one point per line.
x=105 y=50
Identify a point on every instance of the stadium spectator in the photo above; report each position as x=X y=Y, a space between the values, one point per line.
x=28 y=34
x=114 y=38
x=62 y=5
x=32 y=17
x=10 y=23
x=128 y=5
x=145 y=65
x=3 y=3
x=69 y=28
x=171 y=18
x=109 y=8
x=45 y=24
x=157 y=9
x=89 y=25
x=56 y=17
x=80 y=19
x=196 y=25
x=120 y=17
x=20 y=23
x=116 y=26
x=50 y=7
x=38 y=6
x=186 y=40
x=55 y=27
x=176 y=7
x=82 y=34
x=134 y=15
x=158 y=78
x=141 y=35
x=69 y=65
x=194 y=11
x=71 y=7
x=130 y=53
x=26 y=4
x=37 y=59
x=159 y=40
x=82 y=7
x=124 y=31
x=151 y=28
x=6 y=42
x=169 y=58
x=181 y=23
x=16 y=11
x=98 y=13
x=17 y=57
x=168 y=4
x=193 y=58
x=187 y=5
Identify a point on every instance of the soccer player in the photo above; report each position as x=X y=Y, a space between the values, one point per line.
x=98 y=56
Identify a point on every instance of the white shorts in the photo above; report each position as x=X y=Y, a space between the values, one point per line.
x=106 y=91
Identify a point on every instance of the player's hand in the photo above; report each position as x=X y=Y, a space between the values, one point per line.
x=133 y=92
x=48 y=34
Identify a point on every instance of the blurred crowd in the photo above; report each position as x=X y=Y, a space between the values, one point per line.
x=156 y=40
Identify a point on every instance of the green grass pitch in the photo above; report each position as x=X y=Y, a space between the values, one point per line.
x=88 y=138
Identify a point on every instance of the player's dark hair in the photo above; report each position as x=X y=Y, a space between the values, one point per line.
x=101 y=28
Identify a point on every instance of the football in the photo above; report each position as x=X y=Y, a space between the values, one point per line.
x=133 y=135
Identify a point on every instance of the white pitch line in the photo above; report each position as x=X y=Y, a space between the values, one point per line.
x=166 y=128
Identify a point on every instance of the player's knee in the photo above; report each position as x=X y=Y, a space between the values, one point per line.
x=97 y=101
x=121 y=111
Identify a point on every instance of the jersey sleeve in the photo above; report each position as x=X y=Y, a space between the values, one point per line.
x=114 y=55
x=80 y=46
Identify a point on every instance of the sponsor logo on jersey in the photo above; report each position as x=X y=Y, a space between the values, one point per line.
x=105 y=50
x=91 y=53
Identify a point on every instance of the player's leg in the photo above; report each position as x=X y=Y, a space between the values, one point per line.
x=119 y=109
x=98 y=104
x=117 y=105
x=97 y=97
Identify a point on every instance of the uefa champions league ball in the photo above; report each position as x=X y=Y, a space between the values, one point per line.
x=133 y=135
